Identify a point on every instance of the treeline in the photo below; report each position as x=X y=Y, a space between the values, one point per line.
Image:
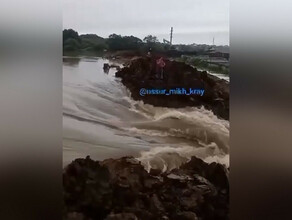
x=73 y=42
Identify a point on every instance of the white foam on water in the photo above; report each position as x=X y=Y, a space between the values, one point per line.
x=168 y=158
x=210 y=135
x=102 y=109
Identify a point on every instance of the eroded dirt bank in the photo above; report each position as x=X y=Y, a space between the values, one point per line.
x=122 y=189
x=141 y=73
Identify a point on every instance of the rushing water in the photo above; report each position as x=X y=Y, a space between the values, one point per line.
x=101 y=120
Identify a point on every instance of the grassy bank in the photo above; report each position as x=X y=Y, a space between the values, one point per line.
x=205 y=65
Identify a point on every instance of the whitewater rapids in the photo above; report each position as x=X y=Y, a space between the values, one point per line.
x=101 y=120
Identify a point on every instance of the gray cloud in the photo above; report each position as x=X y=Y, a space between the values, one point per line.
x=194 y=21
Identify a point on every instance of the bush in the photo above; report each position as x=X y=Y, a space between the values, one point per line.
x=71 y=45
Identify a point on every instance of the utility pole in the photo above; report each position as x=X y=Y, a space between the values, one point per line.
x=171 y=33
x=213 y=41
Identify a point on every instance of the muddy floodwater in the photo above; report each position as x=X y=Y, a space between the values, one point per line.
x=101 y=120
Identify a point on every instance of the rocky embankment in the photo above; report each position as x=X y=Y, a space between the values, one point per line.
x=140 y=73
x=121 y=189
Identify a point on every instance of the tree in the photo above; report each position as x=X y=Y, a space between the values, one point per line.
x=92 y=42
x=150 y=39
x=118 y=42
x=70 y=33
x=71 y=40
x=115 y=36
x=114 y=42
x=71 y=45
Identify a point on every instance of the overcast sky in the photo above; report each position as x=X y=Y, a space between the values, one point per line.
x=194 y=21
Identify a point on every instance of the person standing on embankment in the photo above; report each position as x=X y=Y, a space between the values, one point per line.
x=160 y=64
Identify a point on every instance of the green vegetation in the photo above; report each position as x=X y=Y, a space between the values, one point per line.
x=73 y=43
x=70 y=34
x=92 y=44
x=150 y=39
x=117 y=42
x=205 y=65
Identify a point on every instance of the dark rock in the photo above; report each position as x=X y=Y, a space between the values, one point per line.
x=123 y=189
x=106 y=66
x=87 y=188
x=75 y=216
x=154 y=172
x=122 y=216
x=141 y=74
x=187 y=216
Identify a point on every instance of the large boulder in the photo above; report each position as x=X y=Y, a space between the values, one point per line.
x=123 y=189
x=140 y=73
